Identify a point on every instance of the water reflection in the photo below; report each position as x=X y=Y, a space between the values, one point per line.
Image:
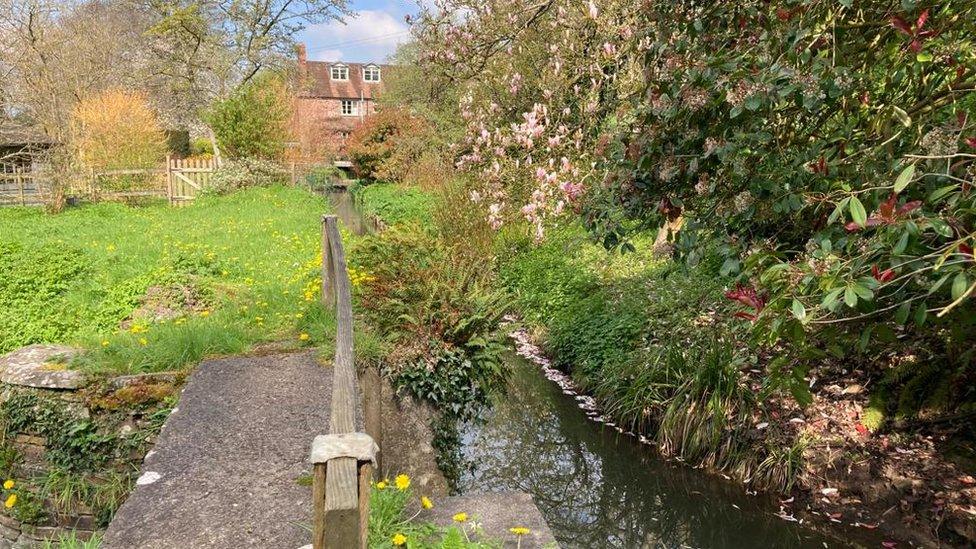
x=344 y=206
x=598 y=488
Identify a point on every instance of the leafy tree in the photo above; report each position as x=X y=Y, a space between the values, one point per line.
x=254 y=121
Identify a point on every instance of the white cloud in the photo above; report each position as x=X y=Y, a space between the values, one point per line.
x=371 y=35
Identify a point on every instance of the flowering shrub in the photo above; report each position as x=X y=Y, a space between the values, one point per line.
x=827 y=149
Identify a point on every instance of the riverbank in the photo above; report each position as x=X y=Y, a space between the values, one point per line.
x=661 y=350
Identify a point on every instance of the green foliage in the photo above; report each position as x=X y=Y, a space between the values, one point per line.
x=393 y=204
x=392 y=513
x=74 y=442
x=440 y=310
x=102 y=493
x=253 y=122
x=214 y=277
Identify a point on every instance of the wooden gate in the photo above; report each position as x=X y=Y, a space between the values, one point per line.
x=186 y=178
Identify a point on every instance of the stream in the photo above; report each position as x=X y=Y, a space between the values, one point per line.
x=599 y=488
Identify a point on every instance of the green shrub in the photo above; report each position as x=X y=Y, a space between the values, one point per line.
x=244 y=173
x=253 y=122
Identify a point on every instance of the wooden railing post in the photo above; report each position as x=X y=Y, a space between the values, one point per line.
x=328 y=267
x=341 y=481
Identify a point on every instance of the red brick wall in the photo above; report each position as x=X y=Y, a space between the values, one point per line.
x=320 y=125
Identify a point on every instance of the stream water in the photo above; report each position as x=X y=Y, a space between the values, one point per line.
x=598 y=488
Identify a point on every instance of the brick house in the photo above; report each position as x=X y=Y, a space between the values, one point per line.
x=333 y=99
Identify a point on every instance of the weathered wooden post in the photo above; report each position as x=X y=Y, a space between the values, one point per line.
x=19 y=174
x=169 y=179
x=344 y=459
x=328 y=269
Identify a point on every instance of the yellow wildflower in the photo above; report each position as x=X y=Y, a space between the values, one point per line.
x=143 y=341
x=8 y=485
x=11 y=501
x=520 y=531
x=138 y=329
x=303 y=336
x=460 y=517
x=104 y=343
x=426 y=503
x=402 y=482
x=381 y=485
x=204 y=313
x=399 y=539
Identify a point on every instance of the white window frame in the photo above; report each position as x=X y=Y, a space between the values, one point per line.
x=339 y=72
x=368 y=69
x=351 y=104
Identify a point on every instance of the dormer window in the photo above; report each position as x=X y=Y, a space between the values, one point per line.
x=371 y=73
x=339 y=72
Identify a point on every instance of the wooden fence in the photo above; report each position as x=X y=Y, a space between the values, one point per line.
x=20 y=187
x=340 y=485
x=178 y=180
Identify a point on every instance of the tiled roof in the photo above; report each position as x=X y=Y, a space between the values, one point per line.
x=321 y=84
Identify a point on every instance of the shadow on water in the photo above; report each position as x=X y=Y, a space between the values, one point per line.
x=344 y=205
x=598 y=488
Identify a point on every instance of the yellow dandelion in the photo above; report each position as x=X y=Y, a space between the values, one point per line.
x=9 y=484
x=460 y=517
x=520 y=531
x=204 y=313
x=143 y=341
x=381 y=485
x=303 y=336
x=11 y=501
x=399 y=539
x=402 y=482
x=426 y=503
x=104 y=343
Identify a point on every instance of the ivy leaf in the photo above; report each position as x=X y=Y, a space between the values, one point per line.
x=858 y=214
x=904 y=178
x=959 y=286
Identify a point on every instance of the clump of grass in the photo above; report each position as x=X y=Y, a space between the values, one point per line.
x=71 y=541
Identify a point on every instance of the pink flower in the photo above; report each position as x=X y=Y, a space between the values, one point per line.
x=594 y=13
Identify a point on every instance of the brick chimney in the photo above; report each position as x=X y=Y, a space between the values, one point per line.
x=302 y=60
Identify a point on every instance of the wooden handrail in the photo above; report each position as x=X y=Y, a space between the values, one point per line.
x=340 y=487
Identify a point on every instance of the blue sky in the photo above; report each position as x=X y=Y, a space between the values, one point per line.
x=370 y=36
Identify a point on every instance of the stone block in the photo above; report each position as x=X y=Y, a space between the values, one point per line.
x=42 y=367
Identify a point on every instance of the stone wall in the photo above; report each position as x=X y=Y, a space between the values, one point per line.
x=71 y=443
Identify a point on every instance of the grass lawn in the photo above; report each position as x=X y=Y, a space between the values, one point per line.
x=156 y=288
